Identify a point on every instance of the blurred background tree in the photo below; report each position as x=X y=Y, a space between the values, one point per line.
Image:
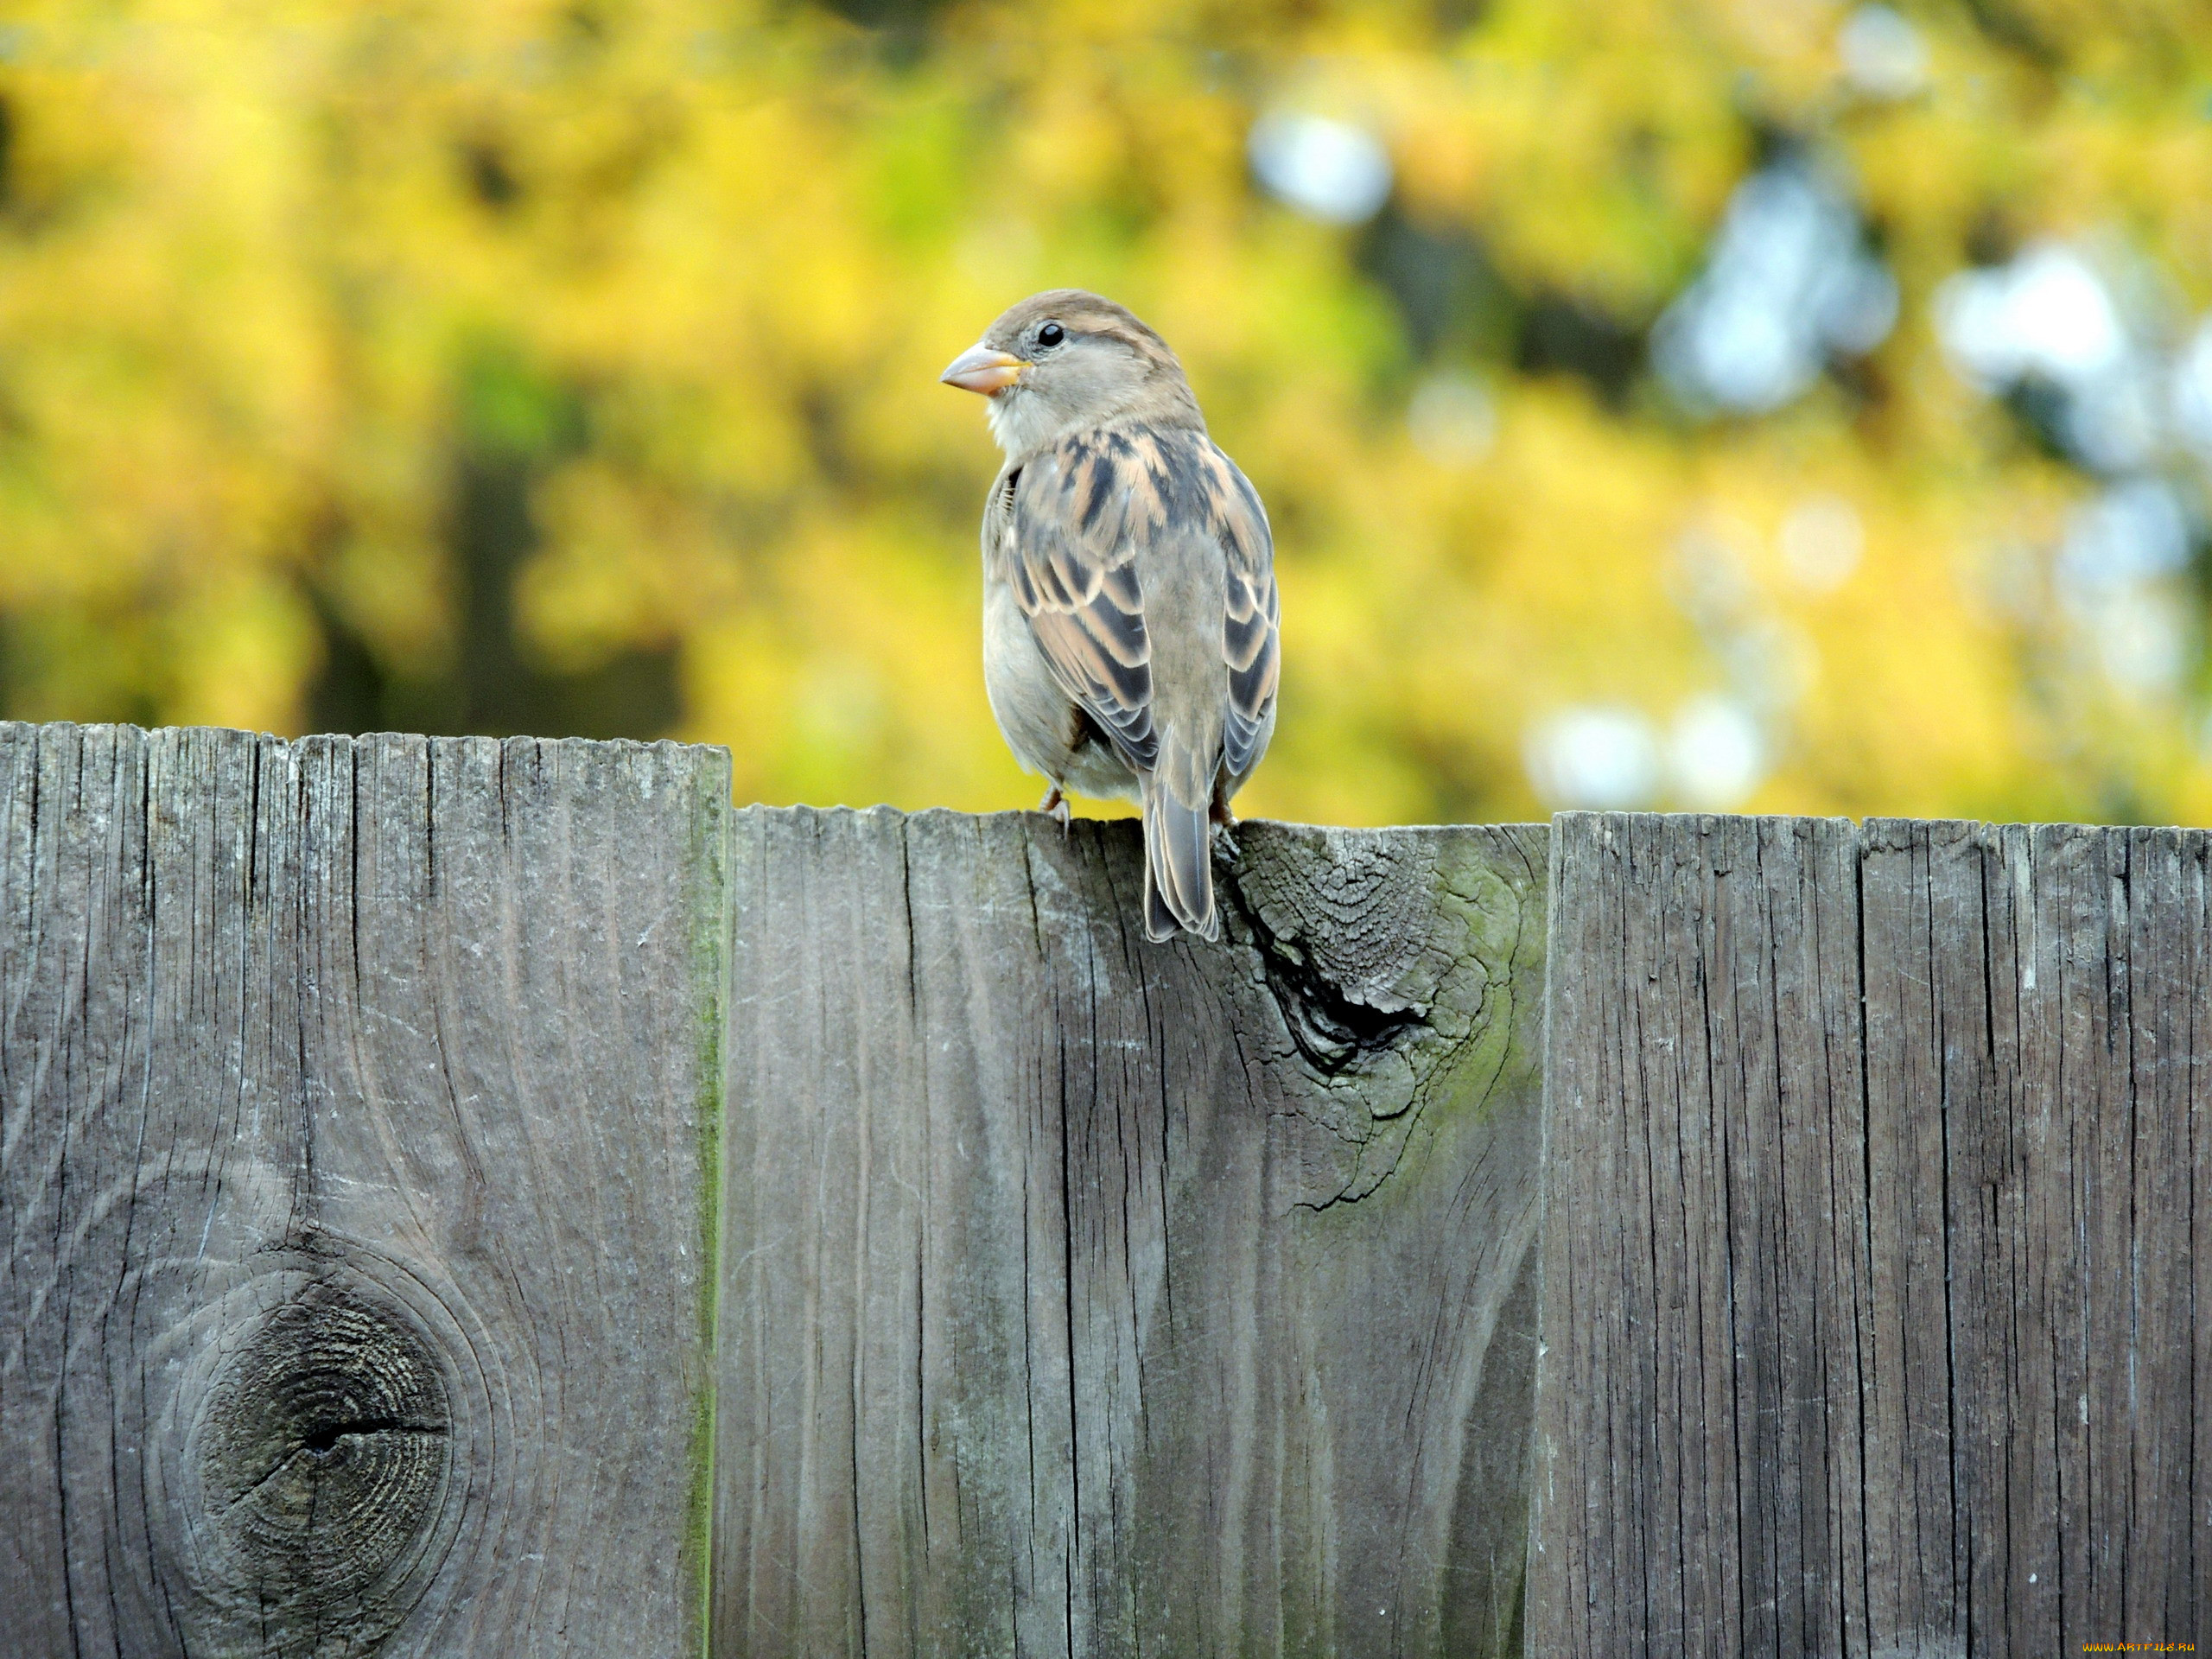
x=1770 y=404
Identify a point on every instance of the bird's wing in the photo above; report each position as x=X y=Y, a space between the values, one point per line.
x=1079 y=519
x=1253 y=620
x=1081 y=513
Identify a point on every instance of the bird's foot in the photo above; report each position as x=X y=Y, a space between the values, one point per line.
x=1057 y=804
x=1224 y=834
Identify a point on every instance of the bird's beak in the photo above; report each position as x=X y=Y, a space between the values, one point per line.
x=982 y=369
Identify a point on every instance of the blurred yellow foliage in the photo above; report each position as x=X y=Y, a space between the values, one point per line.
x=572 y=367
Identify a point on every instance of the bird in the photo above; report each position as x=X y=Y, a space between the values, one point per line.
x=1131 y=623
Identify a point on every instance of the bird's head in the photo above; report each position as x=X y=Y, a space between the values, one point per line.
x=1067 y=359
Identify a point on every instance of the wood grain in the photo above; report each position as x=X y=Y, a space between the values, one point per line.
x=358 y=1161
x=358 y=1114
x=1087 y=1297
x=1869 y=1287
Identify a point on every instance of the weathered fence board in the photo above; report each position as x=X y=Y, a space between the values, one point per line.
x=358 y=1101
x=1091 y=1297
x=1869 y=1304
x=360 y=1184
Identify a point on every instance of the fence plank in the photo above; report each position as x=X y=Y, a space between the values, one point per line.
x=1090 y=1297
x=1921 y=1371
x=358 y=1103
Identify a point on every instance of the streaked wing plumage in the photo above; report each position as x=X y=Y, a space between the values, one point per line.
x=1072 y=529
x=1254 y=620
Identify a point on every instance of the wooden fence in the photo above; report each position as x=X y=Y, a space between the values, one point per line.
x=476 y=1197
x=1877 y=1160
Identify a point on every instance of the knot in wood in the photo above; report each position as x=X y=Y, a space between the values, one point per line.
x=323 y=1455
x=1341 y=924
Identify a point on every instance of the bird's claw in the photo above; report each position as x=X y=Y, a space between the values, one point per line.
x=1057 y=804
x=1224 y=839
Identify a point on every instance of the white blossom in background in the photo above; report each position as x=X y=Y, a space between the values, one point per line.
x=1790 y=283
x=1716 y=754
x=2117 y=571
x=2047 y=312
x=1329 y=171
x=2050 y=315
x=1453 y=420
x=1883 y=55
x=2114 y=423
x=2132 y=532
x=1822 y=542
x=2120 y=406
x=1597 y=757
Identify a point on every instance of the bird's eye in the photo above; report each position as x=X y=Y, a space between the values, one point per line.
x=1051 y=335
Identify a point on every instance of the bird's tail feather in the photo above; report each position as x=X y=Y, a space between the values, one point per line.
x=1177 y=865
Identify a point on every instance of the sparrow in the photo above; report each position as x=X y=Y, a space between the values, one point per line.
x=1130 y=619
